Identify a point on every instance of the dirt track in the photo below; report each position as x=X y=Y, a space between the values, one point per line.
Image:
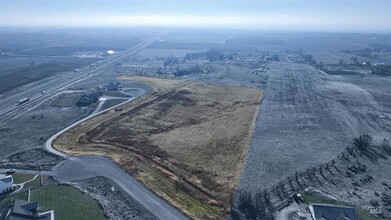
x=306 y=119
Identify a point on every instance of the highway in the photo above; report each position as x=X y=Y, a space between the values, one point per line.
x=10 y=109
x=83 y=167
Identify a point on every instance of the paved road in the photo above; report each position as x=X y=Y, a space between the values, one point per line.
x=79 y=168
x=83 y=167
x=43 y=172
x=48 y=144
x=53 y=85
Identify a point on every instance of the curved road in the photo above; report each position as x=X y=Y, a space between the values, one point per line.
x=83 y=167
x=57 y=83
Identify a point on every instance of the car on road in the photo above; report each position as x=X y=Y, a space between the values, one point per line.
x=10 y=171
x=24 y=100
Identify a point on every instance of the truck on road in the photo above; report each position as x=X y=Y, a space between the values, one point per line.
x=24 y=100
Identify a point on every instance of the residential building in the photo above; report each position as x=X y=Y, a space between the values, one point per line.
x=113 y=86
x=331 y=212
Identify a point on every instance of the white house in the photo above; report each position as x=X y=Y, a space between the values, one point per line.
x=6 y=183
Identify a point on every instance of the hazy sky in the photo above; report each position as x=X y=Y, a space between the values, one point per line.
x=339 y=15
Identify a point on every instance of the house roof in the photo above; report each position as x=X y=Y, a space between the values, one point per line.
x=328 y=212
x=2 y=176
x=6 y=179
x=22 y=207
x=22 y=210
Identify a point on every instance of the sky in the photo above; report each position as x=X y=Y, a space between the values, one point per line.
x=315 y=15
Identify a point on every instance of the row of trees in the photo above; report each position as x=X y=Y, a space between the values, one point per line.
x=384 y=69
x=250 y=206
x=194 y=69
x=261 y=206
x=212 y=55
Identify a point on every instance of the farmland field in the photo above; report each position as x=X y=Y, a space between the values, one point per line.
x=158 y=140
x=209 y=114
x=19 y=76
x=308 y=118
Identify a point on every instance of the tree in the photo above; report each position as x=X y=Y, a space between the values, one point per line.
x=355 y=61
x=320 y=65
x=246 y=205
x=275 y=57
x=252 y=206
x=214 y=54
x=362 y=142
x=382 y=69
x=386 y=146
x=385 y=143
x=232 y=56
x=159 y=70
x=170 y=60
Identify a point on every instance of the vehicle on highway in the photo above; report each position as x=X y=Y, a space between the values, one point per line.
x=10 y=171
x=24 y=100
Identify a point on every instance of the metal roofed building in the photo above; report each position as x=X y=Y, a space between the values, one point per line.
x=332 y=212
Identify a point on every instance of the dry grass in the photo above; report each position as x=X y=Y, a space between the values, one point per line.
x=187 y=141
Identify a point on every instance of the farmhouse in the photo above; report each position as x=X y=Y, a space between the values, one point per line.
x=20 y=209
x=88 y=99
x=113 y=86
x=327 y=211
x=6 y=183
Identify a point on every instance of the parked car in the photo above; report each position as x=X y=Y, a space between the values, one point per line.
x=10 y=171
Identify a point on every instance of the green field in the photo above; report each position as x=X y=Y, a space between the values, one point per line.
x=312 y=198
x=21 y=177
x=111 y=103
x=22 y=196
x=33 y=184
x=67 y=203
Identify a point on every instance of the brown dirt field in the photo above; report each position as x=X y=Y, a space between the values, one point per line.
x=187 y=141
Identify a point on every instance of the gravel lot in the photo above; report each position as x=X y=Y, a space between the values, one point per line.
x=307 y=118
x=115 y=203
x=31 y=130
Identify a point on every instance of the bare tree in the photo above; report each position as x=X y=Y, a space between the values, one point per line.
x=363 y=142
